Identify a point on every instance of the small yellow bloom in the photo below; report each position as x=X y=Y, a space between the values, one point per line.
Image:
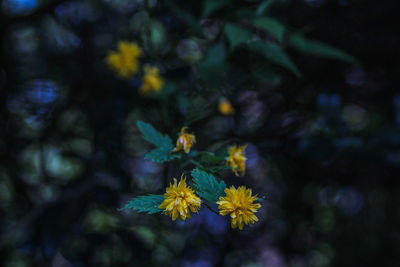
x=185 y=141
x=152 y=81
x=225 y=107
x=238 y=203
x=237 y=159
x=180 y=200
x=124 y=62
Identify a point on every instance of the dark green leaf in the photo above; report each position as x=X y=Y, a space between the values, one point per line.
x=148 y=204
x=316 y=48
x=236 y=35
x=274 y=53
x=212 y=5
x=244 y=13
x=207 y=187
x=212 y=68
x=163 y=142
x=162 y=154
x=196 y=163
x=210 y=158
x=153 y=136
x=186 y=17
x=263 y=7
x=272 y=26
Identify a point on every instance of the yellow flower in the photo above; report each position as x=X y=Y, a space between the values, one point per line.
x=238 y=203
x=152 y=81
x=180 y=200
x=237 y=159
x=225 y=107
x=124 y=62
x=185 y=141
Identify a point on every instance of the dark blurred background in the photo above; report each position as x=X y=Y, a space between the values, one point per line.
x=324 y=149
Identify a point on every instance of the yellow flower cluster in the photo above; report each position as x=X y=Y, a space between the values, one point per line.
x=180 y=200
x=236 y=159
x=125 y=63
x=238 y=203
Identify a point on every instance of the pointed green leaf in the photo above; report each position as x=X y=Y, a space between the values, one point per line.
x=153 y=136
x=272 y=26
x=162 y=154
x=236 y=35
x=316 y=48
x=148 y=204
x=274 y=53
x=207 y=187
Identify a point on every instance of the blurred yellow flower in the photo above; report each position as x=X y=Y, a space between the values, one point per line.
x=185 y=141
x=225 y=107
x=237 y=159
x=238 y=203
x=124 y=62
x=152 y=81
x=180 y=200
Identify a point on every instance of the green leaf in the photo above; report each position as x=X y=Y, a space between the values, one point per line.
x=316 y=48
x=148 y=204
x=263 y=7
x=272 y=26
x=236 y=35
x=152 y=135
x=212 y=68
x=212 y=5
x=207 y=187
x=210 y=158
x=163 y=142
x=162 y=154
x=274 y=53
x=244 y=13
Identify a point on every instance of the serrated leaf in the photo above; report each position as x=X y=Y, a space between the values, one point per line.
x=236 y=35
x=271 y=25
x=162 y=154
x=274 y=53
x=163 y=142
x=212 y=5
x=153 y=136
x=316 y=48
x=207 y=187
x=148 y=204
